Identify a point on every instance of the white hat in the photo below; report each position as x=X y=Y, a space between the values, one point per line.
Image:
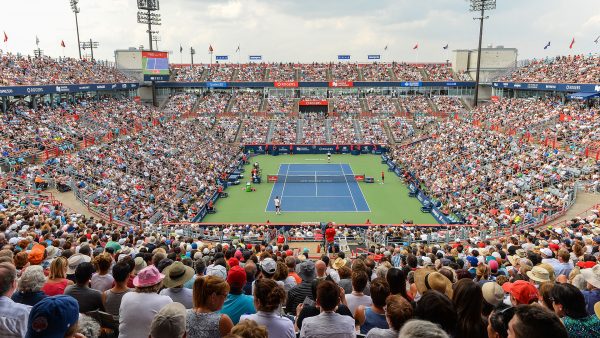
x=546 y=252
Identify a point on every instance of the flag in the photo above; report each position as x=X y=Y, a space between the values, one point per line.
x=238 y=49
x=210 y=49
x=445 y=47
x=5 y=37
x=386 y=46
x=572 y=43
x=62 y=43
x=416 y=46
x=180 y=49
x=547 y=45
x=37 y=40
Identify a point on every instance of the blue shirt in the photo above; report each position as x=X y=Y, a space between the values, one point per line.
x=237 y=305
x=591 y=298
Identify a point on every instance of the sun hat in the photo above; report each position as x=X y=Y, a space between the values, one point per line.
x=75 y=260
x=539 y=274
x=429 y=279
x=52 y=317
x=169 y=322
x=338 y=263
x=177 y=274
x=493 y=265
x=36 y=254
x=236 y=277
x=492 y=293
x=148 y=276
x=546 y=252
x=597 y=309
x=216 y=270
x=523 y=292
x=51 y=252
x=306 y=271
x=592 y=275
x=268 y=266
x=140 y=263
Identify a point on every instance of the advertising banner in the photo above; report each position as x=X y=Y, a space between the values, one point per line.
x=561 y=87
x=255 y=57
x=313 y=102
x=343 y=57
x=53 y=89
x=286 y=84
x=222 y=57
x=374 y=57
x=341 y=84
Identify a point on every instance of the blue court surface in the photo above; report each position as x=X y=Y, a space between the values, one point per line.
x=342 y=196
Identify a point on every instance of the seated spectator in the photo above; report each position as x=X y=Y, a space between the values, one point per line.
x=55 y=316
x=569 y=304
x=436 y=307
x=205 y=320
x=498 y=321
x=328 y=323
x=176 y=275
x=88 y=327
x=13 y=316
x=112 y=297
x=169 y=322
x=57 y=281
x=398 y=311
x=357 y=297
x=30 y=286
x=102 y=280
x=139 y=308
x=88 y=299
x=309 y=309
x=369 y=317
x=592 y=292
x=300 y=292
x=533 y=321
x=268 y=297
x=468 y=301
x=249 y=329
x=199 y=267
x=237 y=303
x=422 y=329
x=521 y=292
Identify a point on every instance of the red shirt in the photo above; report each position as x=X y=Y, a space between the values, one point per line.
x=329 y=234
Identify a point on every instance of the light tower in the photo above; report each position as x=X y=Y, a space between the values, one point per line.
x=480 y=6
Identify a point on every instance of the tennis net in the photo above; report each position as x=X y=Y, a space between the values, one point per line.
x=341 y=178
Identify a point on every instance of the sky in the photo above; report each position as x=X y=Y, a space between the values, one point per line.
x=305 y=30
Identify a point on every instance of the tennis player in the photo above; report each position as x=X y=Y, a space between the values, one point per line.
x=277 y=202
x=329 y=157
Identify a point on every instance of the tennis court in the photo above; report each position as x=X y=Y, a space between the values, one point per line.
x=317 y=188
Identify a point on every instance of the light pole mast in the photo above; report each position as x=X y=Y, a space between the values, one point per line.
x=480 y=6
x=75 y=10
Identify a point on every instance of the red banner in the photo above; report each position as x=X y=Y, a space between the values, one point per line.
x=286 y=84
x=359 y=178
x=155 y=55
x=272 y=178
x=495 y=98
x=341 y=84
x=313 y=103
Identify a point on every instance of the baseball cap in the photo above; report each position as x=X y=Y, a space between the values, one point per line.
x=493 y=265
x=169 y=322
x=236 y=276
x=233 y=262
x=523 y=292
x=268 y=265
x=52 y=317
x=492 y=293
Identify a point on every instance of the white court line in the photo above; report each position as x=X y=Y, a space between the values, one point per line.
x=283 y=189
x=345 y=196
x=362 y=193
x=349 y=190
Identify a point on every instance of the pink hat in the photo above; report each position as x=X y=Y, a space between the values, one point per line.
x=238 y=255
x=148 y=276
x=493 y=265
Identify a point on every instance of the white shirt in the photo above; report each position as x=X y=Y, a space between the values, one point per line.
x=277 y=326
x=13 y=318
x=327 y=325
x=137 y=311
x=354 y=301
x=277 y=202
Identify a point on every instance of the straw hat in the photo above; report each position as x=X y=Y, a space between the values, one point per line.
x=429 y=279
x=177 y=274
x=592 y=275
x=539 y=274
x=338 y=263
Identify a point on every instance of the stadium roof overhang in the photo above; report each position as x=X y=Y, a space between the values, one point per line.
x=583 y=95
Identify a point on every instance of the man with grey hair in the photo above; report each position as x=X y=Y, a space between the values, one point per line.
x=421 y=329
x=30 y=286
x=13 y=316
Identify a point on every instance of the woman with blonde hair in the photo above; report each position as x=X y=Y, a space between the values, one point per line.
x=204 y=319
x=57 y=279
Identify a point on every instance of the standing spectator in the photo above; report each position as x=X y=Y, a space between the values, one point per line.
x=468 y=301
x=204 y=320
x=176 y=275
x=169 y=322
x=88 y=299
x=57 y=279
x=30 y=286
x=268 y=297
x=102 y=280
x=112 y=298
x=328 y=323
x=533 y=321
x=139 y=308
x=13 y=316
x=373 y=316
x=569 y=304
x=237 y=303
x=398 y=311
x=357 y=297
x=54 y=317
